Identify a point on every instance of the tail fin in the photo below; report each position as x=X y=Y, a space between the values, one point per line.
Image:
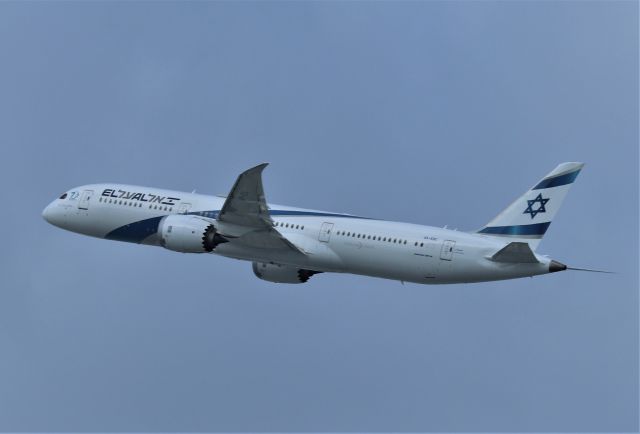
x=528 y=218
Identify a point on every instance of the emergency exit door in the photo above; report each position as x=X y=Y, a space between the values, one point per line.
x=325 y=232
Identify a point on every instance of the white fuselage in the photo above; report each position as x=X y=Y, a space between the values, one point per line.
x=332 y=242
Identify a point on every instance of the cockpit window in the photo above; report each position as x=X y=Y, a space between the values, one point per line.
x=64 y=196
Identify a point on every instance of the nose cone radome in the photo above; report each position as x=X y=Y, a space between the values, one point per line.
x=53 y=214
x=47 y=213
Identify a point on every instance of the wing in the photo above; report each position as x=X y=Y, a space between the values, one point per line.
x=246 y=206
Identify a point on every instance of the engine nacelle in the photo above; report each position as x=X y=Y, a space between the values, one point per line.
x=188 y=234
x=281 y=273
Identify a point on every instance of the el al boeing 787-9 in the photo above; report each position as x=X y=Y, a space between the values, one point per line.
x=289 y=245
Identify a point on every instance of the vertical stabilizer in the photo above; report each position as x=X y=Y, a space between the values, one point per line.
x=528 y=218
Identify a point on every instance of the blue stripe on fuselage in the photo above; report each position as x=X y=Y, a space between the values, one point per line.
x=557 y=181
x=136 y=232
x=286 y=213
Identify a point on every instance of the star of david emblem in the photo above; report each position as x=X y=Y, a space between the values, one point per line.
x=539 y=199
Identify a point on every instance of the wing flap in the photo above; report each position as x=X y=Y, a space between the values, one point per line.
x=271 y=239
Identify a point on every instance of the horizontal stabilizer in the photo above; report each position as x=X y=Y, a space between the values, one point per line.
x=516 y=252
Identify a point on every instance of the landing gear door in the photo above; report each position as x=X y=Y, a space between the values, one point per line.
x=446 y=253
x=325 y=232
x=84 y=199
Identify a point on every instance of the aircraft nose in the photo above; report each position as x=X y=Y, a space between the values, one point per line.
x=47 y=213
x=53 y=214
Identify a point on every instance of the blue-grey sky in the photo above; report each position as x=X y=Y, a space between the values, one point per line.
x=427 y=112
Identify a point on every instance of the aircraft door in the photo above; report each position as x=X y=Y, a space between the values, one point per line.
x=325 y=232
x=84 y=199
x=446 y=253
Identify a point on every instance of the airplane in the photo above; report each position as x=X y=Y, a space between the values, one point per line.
x=290 y=245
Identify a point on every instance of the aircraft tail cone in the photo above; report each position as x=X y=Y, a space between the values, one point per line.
x=555 y=266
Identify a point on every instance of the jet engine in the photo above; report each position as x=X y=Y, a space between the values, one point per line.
x=189 y=234
x=281 y=273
